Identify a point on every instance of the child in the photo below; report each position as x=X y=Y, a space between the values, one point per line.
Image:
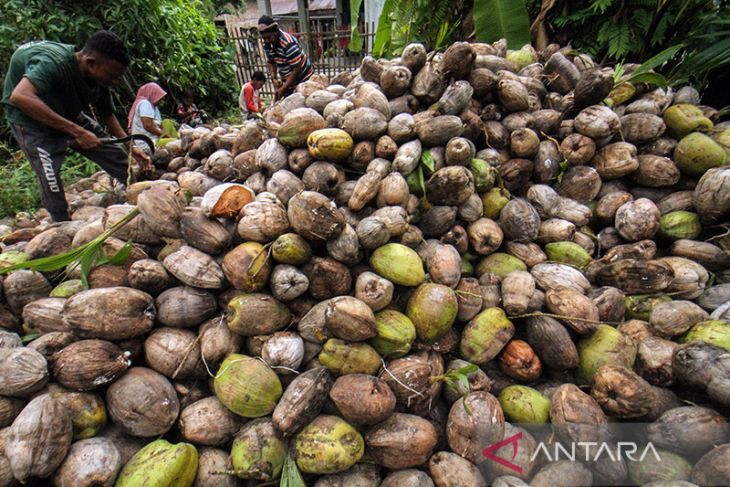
x=249 y=101
x=187 y=112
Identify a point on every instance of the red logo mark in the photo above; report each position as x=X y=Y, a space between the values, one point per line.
x=488 y=452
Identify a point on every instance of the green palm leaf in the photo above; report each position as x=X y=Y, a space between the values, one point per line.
x=495 y=19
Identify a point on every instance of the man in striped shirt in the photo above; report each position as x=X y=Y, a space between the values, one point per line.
x=284 y=54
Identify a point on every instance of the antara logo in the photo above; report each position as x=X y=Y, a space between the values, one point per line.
x=573 y=453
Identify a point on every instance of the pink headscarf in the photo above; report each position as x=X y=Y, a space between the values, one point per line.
x=151 y=92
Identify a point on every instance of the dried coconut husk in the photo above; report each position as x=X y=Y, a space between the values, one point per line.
x=438 y=130
x=108 y=276
x=516 y=173
x=552 y=342
x=302 y=400
x=580 y=183
x=148 y=275
x=208 y=422
x=250 y=136
x=323 y=177
x=196 y=183
x=429 y=83
x=262 y=221
x=457 y=61
x=113 y=313
x=38 y=439
x=175 y=353
x=89 y=364
x=195 y=268
x=50 y=343
x=592 y=88
x=23 y=371
x=44 y=315
x=395 y=81
x=24 y=286
x=622 y=392
x=403 y=104
x=573 y=304
x=637 y=276
x=136 y=230
x=365 y=123
x=284 y=184
x=528 y=252
x=184 y=306
x=577 y=416
x=327 y=278
x=519 y=220
x=362 y=399
x=77 y=469
x=203 y=233
x=143 y=403
x=402 y=441
x=371 y=69
x=475 y=415
x=49 y=242
x=562 y=74
x=161 y=206
x=314 y=216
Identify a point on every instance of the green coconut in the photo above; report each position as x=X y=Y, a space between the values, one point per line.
x=12 y=257
x=161 y=464
x=683 y=119
x=485 y=336
x=67 y=288
x=493 y=201
x=291 y=248
x=328 y=445
x=432 y=308
x=396 y=334
x=668 y=467
x=640 y=306
x=399 y=264
x=696 y=153
x=568 y=253
x=680 y=224
x=247 y=386
x=256 y=314
x=342 y=358
x=501 y=264
x=522 y=404
x=484 y=174
x=520 y=58
x=606 y=346
x=714 y=332
x=258 y=452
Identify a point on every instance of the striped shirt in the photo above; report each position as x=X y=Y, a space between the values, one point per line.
x=287 y=54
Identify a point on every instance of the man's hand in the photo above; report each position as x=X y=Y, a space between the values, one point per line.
x=277 y=83
x=279 y=93
x=85 y=139
x=142 y=157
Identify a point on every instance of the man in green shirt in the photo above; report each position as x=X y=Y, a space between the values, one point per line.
x=47 y=89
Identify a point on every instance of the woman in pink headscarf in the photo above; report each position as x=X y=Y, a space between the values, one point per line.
x=144 y=116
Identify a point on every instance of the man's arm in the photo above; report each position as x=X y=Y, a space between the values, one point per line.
x=25 y=98
x=291 y=78
x=273 y=74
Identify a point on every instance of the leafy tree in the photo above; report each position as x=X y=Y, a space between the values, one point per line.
x=172 y=42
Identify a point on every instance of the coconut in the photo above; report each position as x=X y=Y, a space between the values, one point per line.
x=247 y=386
x=143 y=403
x=327 y=445
x=76 y=469
x=401 y=441
x=89 y=364
x=475 y=414
x=23 y=371
x=184 y=306
x=302 y=400
x=113 y=313
x=344 y=358
x=175 y=353
x=24 y=286
x=38 y=439
x=161 y=463
x=362 y=399
x=87 y=410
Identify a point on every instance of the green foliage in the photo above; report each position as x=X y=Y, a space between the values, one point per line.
x=173 y=42
x=356 y=40
x=290 y=476
x=19 y=190
x=434 y=23
x=496 y=19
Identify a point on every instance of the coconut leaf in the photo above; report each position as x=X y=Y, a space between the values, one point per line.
x=456 y=377
x=495 y=19
x=120 y=257
x=652 y=78
x=290 y=476
x=385 y=29
x=428 y=161
x=30 y=337
x=356 y=40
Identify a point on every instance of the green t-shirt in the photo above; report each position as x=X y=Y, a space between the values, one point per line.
x=54 y=72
